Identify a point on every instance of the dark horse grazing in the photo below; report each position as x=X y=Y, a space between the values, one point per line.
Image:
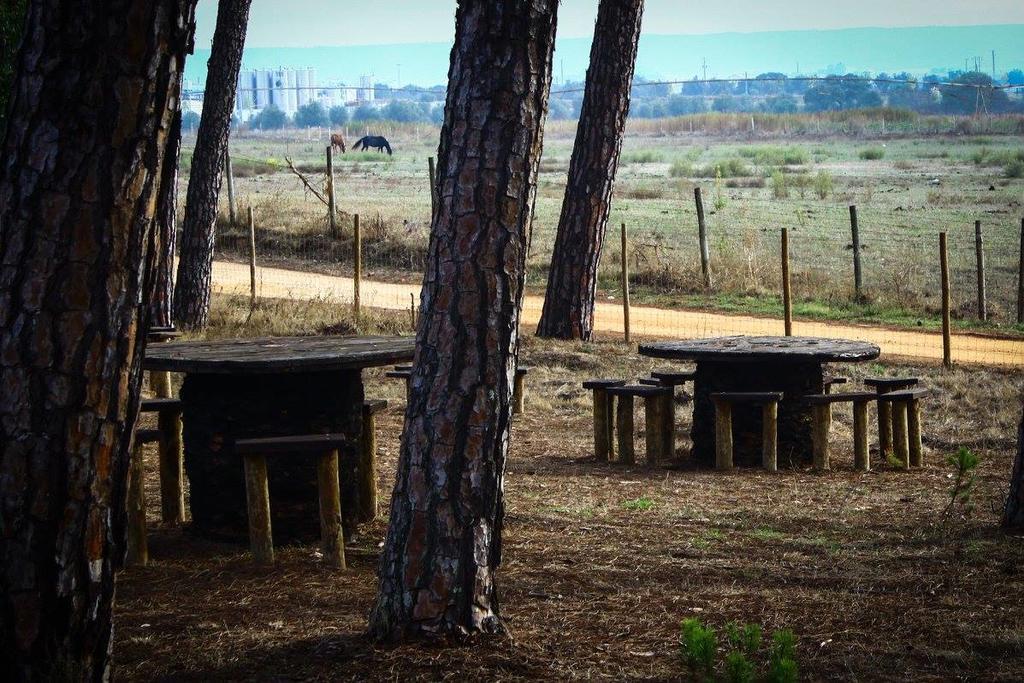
x=378 y=142
x=338 y=140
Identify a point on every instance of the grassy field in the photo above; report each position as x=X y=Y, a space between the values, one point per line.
x=907 y=186
x=878 y=577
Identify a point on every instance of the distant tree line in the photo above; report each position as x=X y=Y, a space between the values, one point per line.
x=960 y=93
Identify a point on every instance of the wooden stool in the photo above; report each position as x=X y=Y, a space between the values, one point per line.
x=518 y=390
x=137 y=545
x=659 y=434
x=172 y=457
x=368 y=460
x=402 y=372
x=769 y=402
x=604 y=417
x=829 y=381
x=884 y=385
x=822 y=422
x=257 y=494
x=905 y=411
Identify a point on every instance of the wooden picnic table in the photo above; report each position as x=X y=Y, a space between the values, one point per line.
x=252 y=388
x=792 y=365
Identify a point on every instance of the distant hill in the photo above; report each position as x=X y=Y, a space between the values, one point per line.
x=729 y=55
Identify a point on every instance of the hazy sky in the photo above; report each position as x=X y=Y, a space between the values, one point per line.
x=293 y=23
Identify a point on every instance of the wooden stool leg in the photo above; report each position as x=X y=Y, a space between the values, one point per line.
x=668 y=431
x=770 y=436
x=861 y=454
x=723 y=435
x=332 y=538
x=602 y=428
x=257 y=496
x=822 y=420
x=914 y=433
x=884 y=429
x=172 y=468
x=654 y=429
x=368 y=467
x=624 y=425
x=901 y=445
x=518 y=397
x=138 y=548
x=160 y=383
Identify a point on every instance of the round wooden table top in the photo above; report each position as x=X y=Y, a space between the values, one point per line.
x=278 y=354
x=760 y=349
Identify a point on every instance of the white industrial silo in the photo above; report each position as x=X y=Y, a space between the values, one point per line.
x=311 y=82
x=302 y=81
x=262 y=79
x=291 y=93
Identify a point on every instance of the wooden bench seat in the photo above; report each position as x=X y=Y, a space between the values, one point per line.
x=604 y=416
x=904 y=409
x=822 y=422
x=659 y=422
x=519 y=390
x=254 y=453
x=769 y=402
x=367 y=471
x=885 y=385
x=670 y=378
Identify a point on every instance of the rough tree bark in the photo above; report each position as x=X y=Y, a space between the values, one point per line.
x=1013 y=514
x=192 y=285
x=82 y=162
x=437 y=568
x=165 y=229
x=572 y=280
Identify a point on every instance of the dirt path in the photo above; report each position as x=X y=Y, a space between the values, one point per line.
x=233 y=278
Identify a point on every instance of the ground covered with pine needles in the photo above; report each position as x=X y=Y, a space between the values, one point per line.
x=876 y=574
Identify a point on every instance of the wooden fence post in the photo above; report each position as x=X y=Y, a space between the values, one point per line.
x=357 y=275
x=858 y=283
x=625 y=286
x=229 y=176
x=787 y=294
x=979 y=251
x=947 y=352
x=433 y=187
x=331 y=217
x=412 y=310
x=1020 y=277
x=252 y=260
x=702 y=232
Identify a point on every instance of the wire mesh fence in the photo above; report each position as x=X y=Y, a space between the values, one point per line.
x=284 y=180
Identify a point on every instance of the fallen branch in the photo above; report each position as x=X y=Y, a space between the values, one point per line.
x=305 y=181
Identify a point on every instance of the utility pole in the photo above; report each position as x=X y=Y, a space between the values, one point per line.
x=993 y=66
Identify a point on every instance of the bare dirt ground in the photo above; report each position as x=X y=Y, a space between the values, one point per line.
x=234 y=278
x=601 y=562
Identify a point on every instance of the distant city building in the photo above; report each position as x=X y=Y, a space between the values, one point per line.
x=291 y=88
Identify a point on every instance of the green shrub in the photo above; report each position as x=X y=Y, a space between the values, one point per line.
x=681 y=168
x=699 y=645
x=1014 y=169
x=644 y=156
x=964 y=463
x=745 y=661
x=823 y=184
x=780 y=190
x=775 y=156
x=872 y=154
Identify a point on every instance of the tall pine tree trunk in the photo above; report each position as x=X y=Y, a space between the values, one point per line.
x=572 y=280
x=1013 y=514
x=82 y=162
x=192 y=286
x=437 y=569
x=165 y=229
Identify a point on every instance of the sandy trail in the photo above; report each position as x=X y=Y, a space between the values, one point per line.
x=233 y=278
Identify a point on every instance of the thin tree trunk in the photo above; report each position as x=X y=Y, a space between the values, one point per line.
x=165 y=231
x=192 y=285
x=82 y=163
x=572 y=280
x=437 y=568
x=1013 y=514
